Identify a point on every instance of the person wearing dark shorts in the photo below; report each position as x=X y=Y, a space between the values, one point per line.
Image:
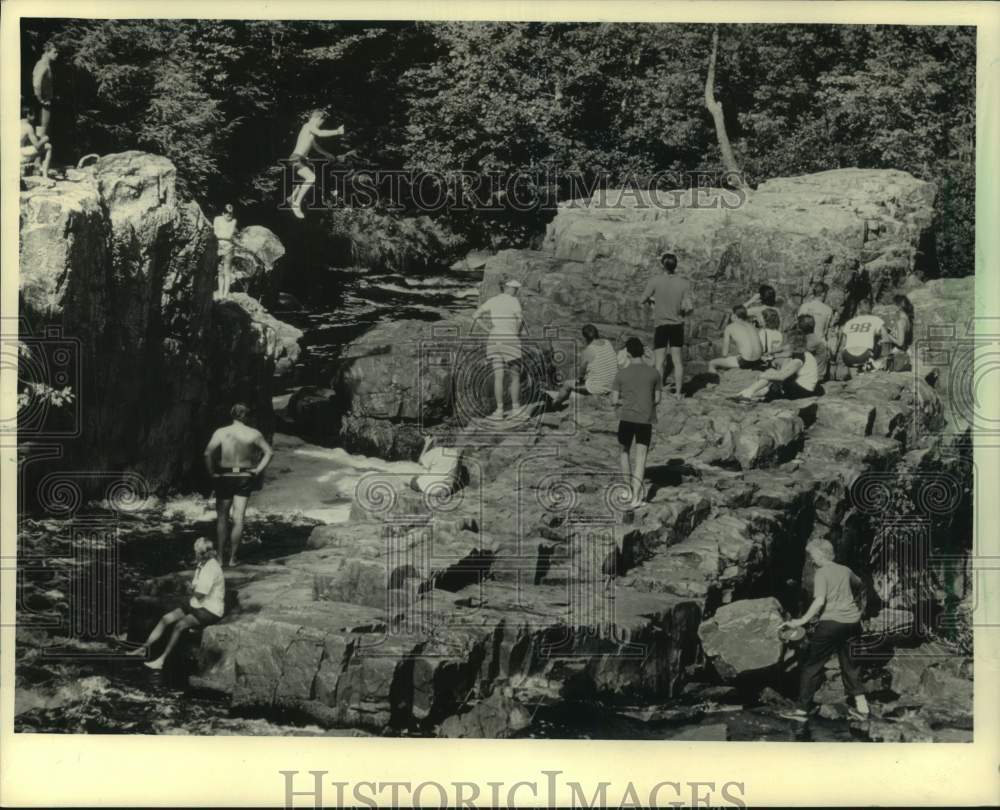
x=835 y=601
x=242 y=482
x=636 y=392
x=204 y=607
x=671 y=296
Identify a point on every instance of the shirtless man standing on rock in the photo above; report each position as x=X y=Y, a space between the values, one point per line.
x=749 y=350
x=304 y=145
x=237 y=475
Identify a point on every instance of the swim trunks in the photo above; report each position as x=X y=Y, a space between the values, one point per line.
x=855 y=360
x=297 y=160
x=668 y=334
x=752 y=365
x=627 y=431
x=232 y=483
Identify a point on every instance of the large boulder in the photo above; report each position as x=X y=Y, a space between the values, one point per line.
x=401 y=378
x=741 y=639
x=830 y=226
x=117 y=274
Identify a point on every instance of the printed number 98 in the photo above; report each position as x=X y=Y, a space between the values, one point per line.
x=861 y=327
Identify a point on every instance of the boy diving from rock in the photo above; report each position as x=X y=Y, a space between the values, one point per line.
x=304 y=145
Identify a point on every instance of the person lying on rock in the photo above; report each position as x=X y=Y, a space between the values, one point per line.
x=225 y=228
x=441 y=465
x=238 y=475
x=598 y=367
x=304 y=146
x=35 y=149
x=205 y=606
x=795 y=377
x=741 y=333
x=862 y=338
x=835 y=603
x=636 y=392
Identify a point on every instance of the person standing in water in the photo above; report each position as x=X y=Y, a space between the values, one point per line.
x=304 y=145
x=205 y=606
x=225 y=228
x=237 y=476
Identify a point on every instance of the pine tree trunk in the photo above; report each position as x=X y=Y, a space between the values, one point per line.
x=715 y=108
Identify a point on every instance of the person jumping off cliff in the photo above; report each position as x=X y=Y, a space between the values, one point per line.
x=225 y=228
x=671 y=296
x=205 y=606
x=237 y=476
x=304 y=145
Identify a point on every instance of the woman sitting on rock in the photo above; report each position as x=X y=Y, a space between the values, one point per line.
x=205 y=606
x=795 y=377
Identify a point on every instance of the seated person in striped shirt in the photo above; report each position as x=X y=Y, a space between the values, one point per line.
x=599 y=365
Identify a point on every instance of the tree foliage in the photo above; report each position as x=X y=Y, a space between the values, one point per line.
x=223 y=100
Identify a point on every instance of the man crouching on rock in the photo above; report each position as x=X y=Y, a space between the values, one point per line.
x=204 y=607
x=834 y=600
x=237 y=477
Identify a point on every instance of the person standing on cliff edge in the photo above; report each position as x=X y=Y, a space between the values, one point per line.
x=671 y=296
x=41 y=82
x=225 y=228
x=503 y=346
x=237 y=476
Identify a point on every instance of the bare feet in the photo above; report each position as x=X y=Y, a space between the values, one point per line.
x=298 y=212
x=138 y=651
x=232 y=562
x=156 y=665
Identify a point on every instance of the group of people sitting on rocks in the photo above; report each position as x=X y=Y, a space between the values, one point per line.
x=793 y=362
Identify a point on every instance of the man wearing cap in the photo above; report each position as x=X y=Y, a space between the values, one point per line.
x=503 y=346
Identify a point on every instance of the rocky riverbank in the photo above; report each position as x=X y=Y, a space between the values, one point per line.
x=117 y=282
x=531 y=600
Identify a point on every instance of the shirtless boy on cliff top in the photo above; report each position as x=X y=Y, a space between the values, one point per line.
x=237 y=476
x=304 y=145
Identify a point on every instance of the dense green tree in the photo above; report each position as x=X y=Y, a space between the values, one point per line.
x=601 y=102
